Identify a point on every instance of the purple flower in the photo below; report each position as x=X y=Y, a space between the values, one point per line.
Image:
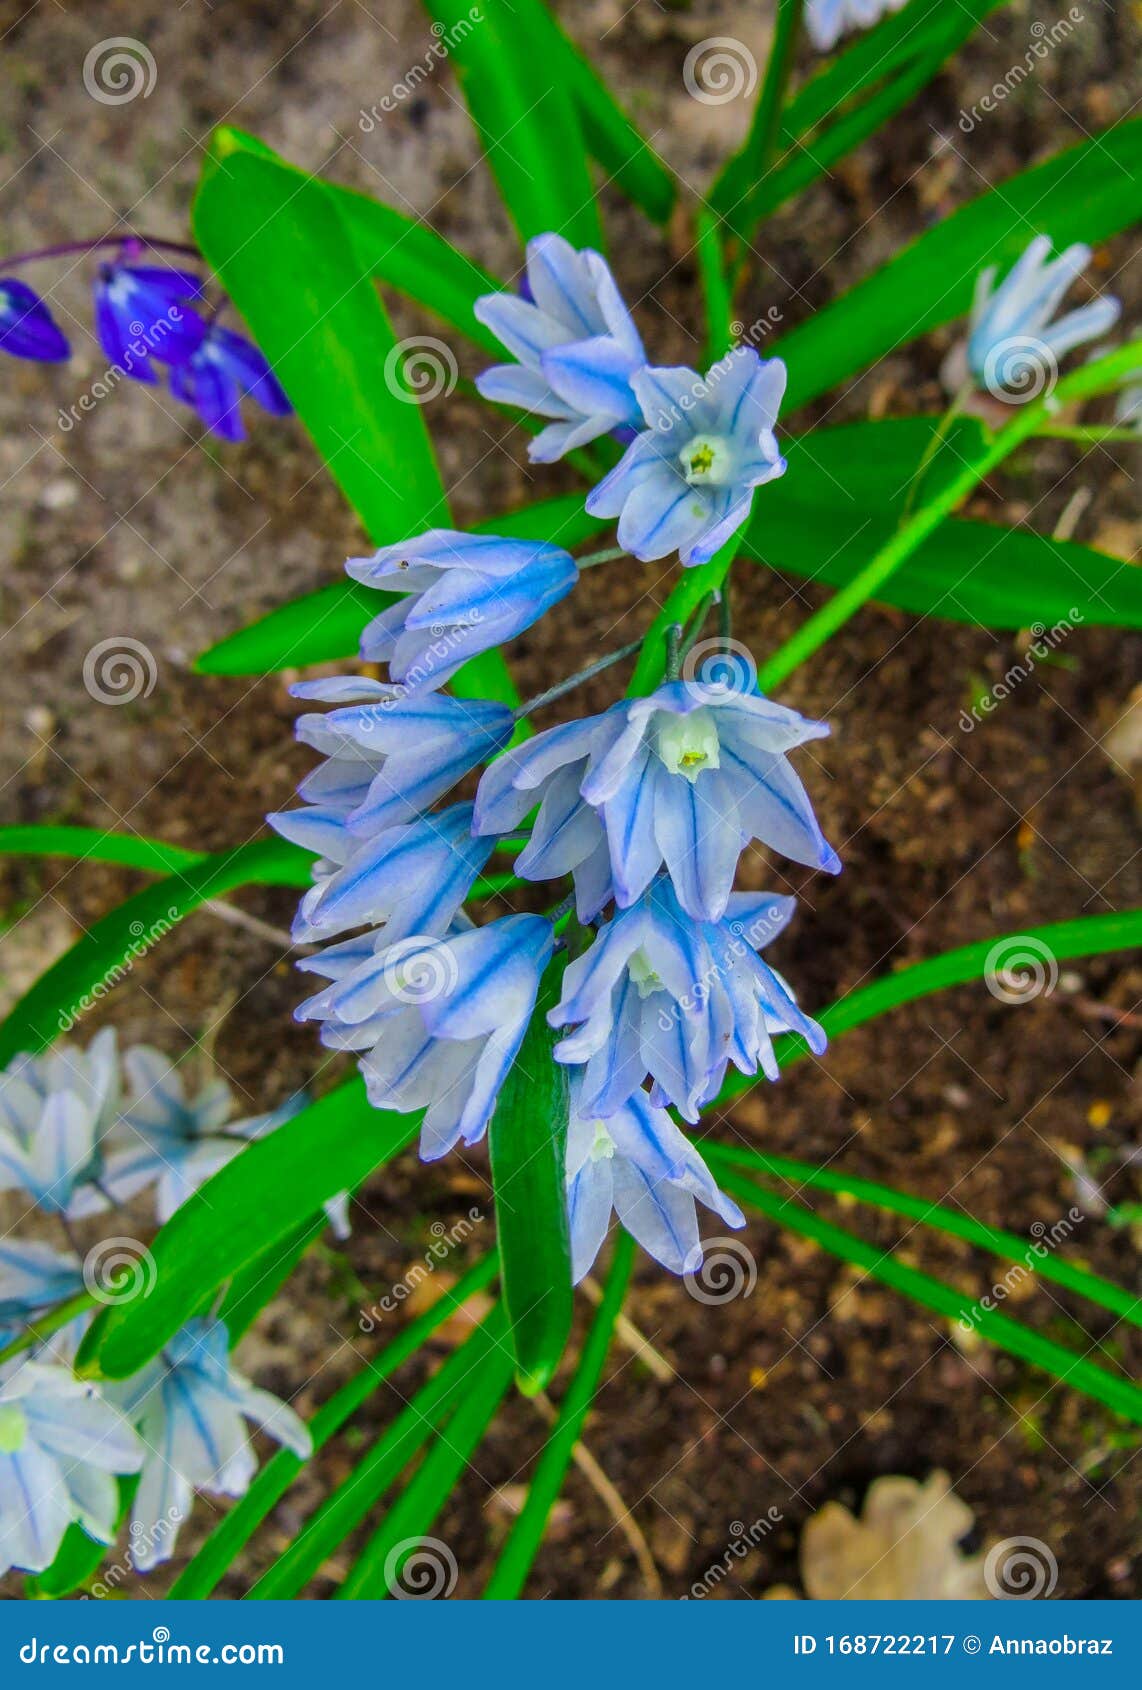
x=27 y=327
x=689 y=775
x=686 y=482
x=576 y=345
x=144 y=312
x=438 y=1021
x=224 y=369
x=659 y=994
x=462 y=594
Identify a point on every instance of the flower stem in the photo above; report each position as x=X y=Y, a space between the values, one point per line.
x=1088 y=436
x=66 y=248
x=743 y=176
x=607 y=555
x=560 y=687
x=679 y=607
x=37 y=1330
x=1096 y=377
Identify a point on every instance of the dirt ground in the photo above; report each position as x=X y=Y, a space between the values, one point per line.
x=130 y=524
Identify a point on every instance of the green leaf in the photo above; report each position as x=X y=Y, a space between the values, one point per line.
x=372 y=1475
x=323 y=626
x=1123 y=1396
x=376 y=1573
x=255 y=1202
x=613 y=139
x=104 y=955
x=279 y=248
x=260 y=1280
x=527 y=1140
x=840 y=502
x=740 y=181
x=1091 y=193
x=97 y=845
x=519 y=1552
x=939 y=1218
x=235 y=1529
x=521 y=105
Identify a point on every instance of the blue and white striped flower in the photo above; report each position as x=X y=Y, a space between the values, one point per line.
x=224 y=369
x=660 y=994
x=27 y=327
x=61 y=1445
x=638 y=1164
x=191 y=1409
x=408 y=880
x=1014 y=347
x=576 y=345
x=462 y=594
x=828 y=20
x=55 y=1112
x=686 y=483
x=689 y=776
x=174 y=1142
x=438 y=1020
x=388 y=757
x=33 y=1277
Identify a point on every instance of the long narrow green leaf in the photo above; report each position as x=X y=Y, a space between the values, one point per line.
x=939 y=1218
x=527 y=1140
x=259 y=1281
x=97 y=845
x=519 y=1552
x=105 y=954
x=1089 y=192
x=348 y=1505
x=377 y=1571
x=278 y=246
x=737 y=187
x=201 y=1575
x=1120 y=1394
x=521 y=105
x=613 y=139
x=256 y=1202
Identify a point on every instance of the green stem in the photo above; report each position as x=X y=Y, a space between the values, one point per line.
x=715 y=287
x=587 y=674
x=1092 y=436
x=812 y=634
x=747 y=169
x=688 y=593
x=38 y=1330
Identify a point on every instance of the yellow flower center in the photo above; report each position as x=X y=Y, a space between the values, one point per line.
x=689 y=744
x=706 y=460
x=13 y=1428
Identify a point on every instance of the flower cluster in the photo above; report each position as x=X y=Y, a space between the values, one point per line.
x=81 y=1132
x=147 y=314
x=646 y=809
